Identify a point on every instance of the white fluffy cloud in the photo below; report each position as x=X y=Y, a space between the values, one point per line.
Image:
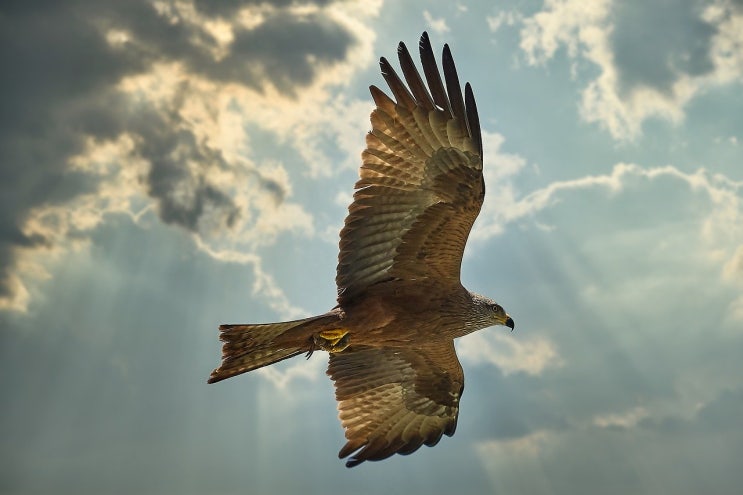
x=644 y=71
x=721 y=224
x=511 y=354
x=436 y=24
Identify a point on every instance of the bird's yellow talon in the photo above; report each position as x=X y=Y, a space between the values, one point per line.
x=332 y=340
x=333 y=335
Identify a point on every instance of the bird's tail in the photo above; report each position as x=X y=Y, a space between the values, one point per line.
x=249 y=347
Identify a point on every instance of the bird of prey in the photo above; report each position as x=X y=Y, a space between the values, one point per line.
x=401 y=304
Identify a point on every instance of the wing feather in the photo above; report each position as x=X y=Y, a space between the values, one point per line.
x=413 y=77
x=453 y=88
x=398 y=88
x=382 y=101
x=433 y=77
x=472 y=117
x=393 y=400
x=420 y=187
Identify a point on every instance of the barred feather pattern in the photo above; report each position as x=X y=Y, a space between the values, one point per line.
x=394 y=400
x=420 y=186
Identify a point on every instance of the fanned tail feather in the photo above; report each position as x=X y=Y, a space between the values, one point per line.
x=252 y=346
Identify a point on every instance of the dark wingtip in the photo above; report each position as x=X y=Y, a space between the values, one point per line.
x=424 y=41
x=447 y=51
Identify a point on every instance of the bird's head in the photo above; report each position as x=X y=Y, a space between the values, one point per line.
x=491 y=312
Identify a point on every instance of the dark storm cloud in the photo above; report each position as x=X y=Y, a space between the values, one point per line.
x=276 y=51
x=56 y=72
x=182 y=194
x=253 y=52
x=228 y=8
x=59 y=89
x=656 y=42
x=277 y=190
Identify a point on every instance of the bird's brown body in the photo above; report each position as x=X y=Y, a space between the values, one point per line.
x=393 y=313
x=400 y=300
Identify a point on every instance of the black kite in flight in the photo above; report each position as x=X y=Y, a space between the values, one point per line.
x=400 y=300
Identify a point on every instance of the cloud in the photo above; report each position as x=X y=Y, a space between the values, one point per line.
x=735 y=310
x=628 y=419
x=561 y=22
x=644 y=71
x=436 y=24
x=528 y=446
x=722 y=222
x=647 y=56
x=264 y=285
x=501 y=194
x=701 y=209
x=635 y=450
x=510 y=354
x=503 y=18
x=723 y=412
x=651 y=279
x=148 y=109
x=733 y=269
x=283 y=377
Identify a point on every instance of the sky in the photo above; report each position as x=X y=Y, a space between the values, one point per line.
x=168 y=166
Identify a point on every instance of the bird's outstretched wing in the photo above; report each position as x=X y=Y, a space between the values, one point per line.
x=421 y=184
x=393 y=400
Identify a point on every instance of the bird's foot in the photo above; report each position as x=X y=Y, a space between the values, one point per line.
x=332 y=340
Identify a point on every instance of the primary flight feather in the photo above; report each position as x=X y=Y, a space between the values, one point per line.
x=400 y=300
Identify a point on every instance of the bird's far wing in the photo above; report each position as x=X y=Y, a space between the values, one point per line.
x=421 y=184
x=393 y=400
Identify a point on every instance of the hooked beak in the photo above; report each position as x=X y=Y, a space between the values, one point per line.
x=509 y=323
